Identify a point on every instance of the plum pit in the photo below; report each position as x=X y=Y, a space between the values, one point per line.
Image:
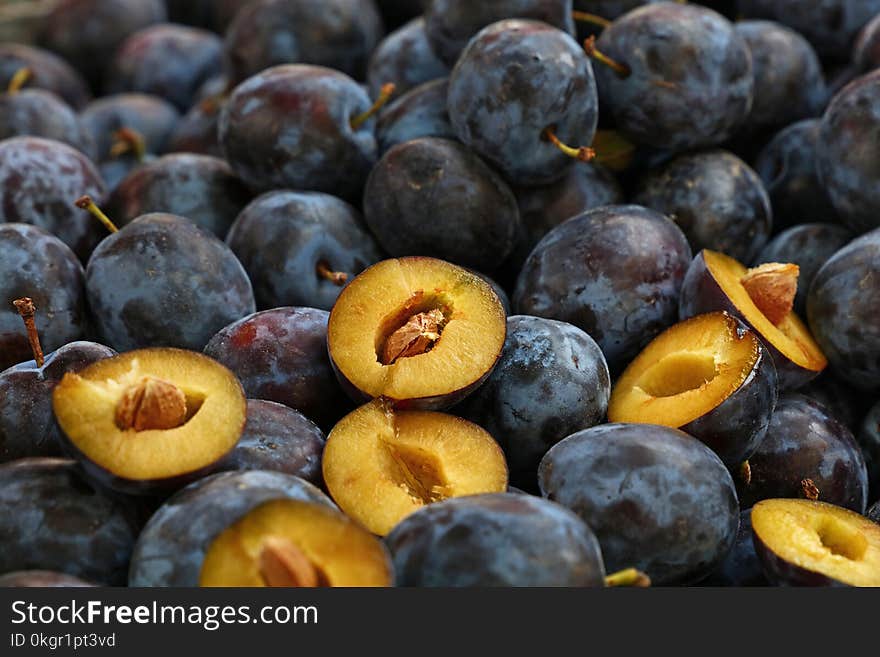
x=283 y=564
x=417 y=471
x=414 y=329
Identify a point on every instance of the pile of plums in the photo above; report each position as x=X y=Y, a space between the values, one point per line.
x=303 y=293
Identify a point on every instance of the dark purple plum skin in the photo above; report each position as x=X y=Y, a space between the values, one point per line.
x=787 y=165
x=843 y=305
x=405 y=59
x=866 y=52
x=435 y=197
x=338 y=34
x=280 y=439
x=41 y=113
x=741 y=567
x=658 y=499
x=39 y=181
x=846 y=403
x=171 y=547
x=36 y=264
x=289 y=127
x=614 y=272
x=809 y=246
x=690 y=82
x=201 y=188
x=715 y=198
x=196 y=132
x=847 y=161
x=281 y=355
x=27 y=422
x=281 y=236
x=515 y=79
x=40 y=579
x=151 y=117
x=789 y=83
x=163 y=281
x=804 y=441
x=421 y=112
x=48 y=71
x=53 y=520
x=87 y=33
x=868 y=438
x=551 y=381
x=451 y=24
x=874 y=512
x=495 y=539
x=166 y=60
x=830 y=25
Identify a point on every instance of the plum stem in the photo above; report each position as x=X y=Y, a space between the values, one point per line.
x=592 y=19
x=127 y=140
x=22 y=77
x=86 y=203
x=27 y=310
x=810 y=490
x=324 y=271
x=628 y=577
x=582 y=153
x=623 y=71
x=283 y=564
x=384 y=96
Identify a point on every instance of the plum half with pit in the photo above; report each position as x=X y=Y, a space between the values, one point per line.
x=658 y=499
x=420 y=332
x=381 y=464
x=709 y=376
x=614 y=272
x=150 y=420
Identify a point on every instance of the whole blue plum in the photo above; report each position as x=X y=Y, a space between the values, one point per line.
x=420 y=112
x=405 y=59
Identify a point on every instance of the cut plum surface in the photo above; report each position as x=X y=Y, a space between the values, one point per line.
x=380 y=465
x=291 y=543
x=802 y=542
x=150 y=416
x=416 y=330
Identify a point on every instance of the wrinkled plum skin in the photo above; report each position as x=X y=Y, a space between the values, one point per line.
x=290 y=127
x=869 y=440
x=62 y=523
x=153 y=118
x=36 y=264
x=163 y=281
x=843 y=305
x=657 y=499
x=278 y=438
x=280 y=355
x=405 y=59
x=742 y=566
x=715 y=198
x=691 y=77
x=550 y=382
x=338 y=34
x=866 y=52
x=40 y=579
x=789 y=83
x=450 y=24
x=848 y=163
x=40 y=179
x=630 y=263
x=196 y=131
x=809 y=246
x=515 y=79
x=199 y=187
x=421 y=112
x=804 y=441
x=830 y=25
x=40 y=113
x=48 y=71
x=27 y=422
x=281 y=237
x=787 y=165
x=501 y=539
x=170 y=549
x=169 y=61
x=434 y=197
x=87 y=33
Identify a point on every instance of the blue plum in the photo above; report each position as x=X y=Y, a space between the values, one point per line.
x=742 y=566
x=405 y=59
x=41 y=113
x=48 y=71
x=868 y=438
x=866 y=52
x=196 y=132
x=151 y=117
x=420 y=112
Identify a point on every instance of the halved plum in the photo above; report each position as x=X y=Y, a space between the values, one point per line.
x=150 y=419
x=808 y=543
x=762 y=298
x=419 y=331
x=381 y=464
x=291 y=543
x=709 y=376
